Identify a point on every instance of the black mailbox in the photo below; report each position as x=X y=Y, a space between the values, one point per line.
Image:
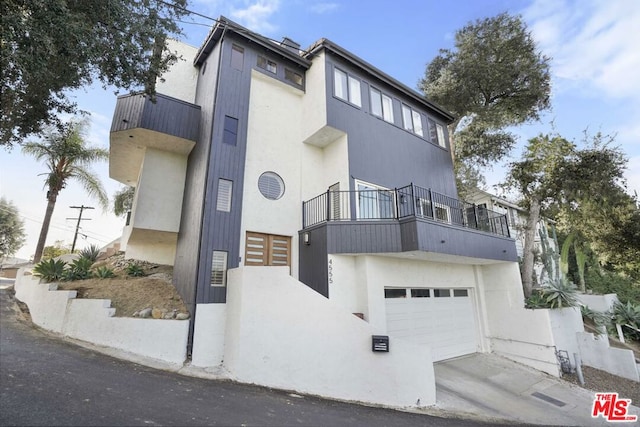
x=380 y=343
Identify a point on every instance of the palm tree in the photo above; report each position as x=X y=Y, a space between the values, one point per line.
x=66 y=157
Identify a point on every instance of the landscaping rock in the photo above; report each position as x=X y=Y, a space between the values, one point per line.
x=145 y=313
x=182 y=316
x=156 y=313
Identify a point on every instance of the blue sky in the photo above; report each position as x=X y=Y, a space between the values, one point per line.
x=595 y=63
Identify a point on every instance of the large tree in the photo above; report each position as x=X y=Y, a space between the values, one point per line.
x=49 y=47
x=67 y=157
x=11 y=229
x=559 y=179
x=494 y=78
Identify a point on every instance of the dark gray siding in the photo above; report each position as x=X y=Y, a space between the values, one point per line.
x=166 y=115
x=313 y=260
x=221 y=231
x=383 y=153
x=187 y=261
x=430 y=236
x=363 y=237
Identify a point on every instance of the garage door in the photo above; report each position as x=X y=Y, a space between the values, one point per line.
x=441 y=318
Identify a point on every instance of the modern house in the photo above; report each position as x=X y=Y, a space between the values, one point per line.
x=545 y=243
x=308 y=204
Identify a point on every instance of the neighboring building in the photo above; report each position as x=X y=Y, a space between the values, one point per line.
x=261 y=167
x=544 y=267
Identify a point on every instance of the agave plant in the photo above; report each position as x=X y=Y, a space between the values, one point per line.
x=560 y=293
x=50 y=270
x=597 y=317
x=104 y=272
x=135 y=270
x=91 y=252
x=628 y=315
x=79 y=269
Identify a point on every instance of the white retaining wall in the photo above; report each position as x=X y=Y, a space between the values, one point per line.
x=516 y=333
x=565 y=323
x=91 y=321
x=282 y=334
x=597 y=353
x=208 y=335
x=599 y=303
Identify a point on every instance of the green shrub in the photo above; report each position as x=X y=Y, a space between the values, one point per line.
x=79 y=269
x=558 y=294
x=104 y=272
x=597 y=317
x=91 y=252
x=50 y=270
x=628 y=314
x=135 y=270
x=607 y=282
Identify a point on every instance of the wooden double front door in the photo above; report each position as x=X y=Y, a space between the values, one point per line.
x=267 y=250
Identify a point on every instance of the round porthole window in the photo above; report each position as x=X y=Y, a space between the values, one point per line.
x=271 y=185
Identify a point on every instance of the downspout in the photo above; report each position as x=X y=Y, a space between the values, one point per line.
x=192 y=320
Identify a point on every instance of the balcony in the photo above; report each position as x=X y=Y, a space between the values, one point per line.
x=164 y=123
x=406 y=219
x=406 y=202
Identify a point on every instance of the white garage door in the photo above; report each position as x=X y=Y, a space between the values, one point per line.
x=441 y=318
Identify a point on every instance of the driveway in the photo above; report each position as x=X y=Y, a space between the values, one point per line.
x=494 y=388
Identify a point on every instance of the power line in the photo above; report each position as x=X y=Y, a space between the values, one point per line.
x=75 y=236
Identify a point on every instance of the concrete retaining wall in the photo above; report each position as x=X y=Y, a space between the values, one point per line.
x=91 y=321
x=280 y=333
x=597 y=353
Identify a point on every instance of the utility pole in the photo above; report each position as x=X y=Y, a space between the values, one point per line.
x=75 y=237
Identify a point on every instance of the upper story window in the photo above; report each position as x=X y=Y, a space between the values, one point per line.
x=230 y=132
x=381 y=105
x=412 y=120
x=346 y=87
x=267 y=64
x=374 y=202
x=293 y=77
x=436 y=133
x=237 y=57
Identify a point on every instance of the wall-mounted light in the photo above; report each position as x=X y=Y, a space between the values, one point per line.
x=442 y=241
x=306 y=238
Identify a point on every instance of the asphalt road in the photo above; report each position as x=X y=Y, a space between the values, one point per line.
x=45 y=380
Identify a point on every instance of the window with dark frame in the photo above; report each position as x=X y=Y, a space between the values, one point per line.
x=346 y=87
x=381 y=105
x=219 y=269
x=230 y=133
x=237 y=57
x=267 y=64
x=395 y=293
x=225 y=190
x=293 y=77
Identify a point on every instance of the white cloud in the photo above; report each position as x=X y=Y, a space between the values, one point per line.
x=321 y=8
x=256 y=15
x=591 y=43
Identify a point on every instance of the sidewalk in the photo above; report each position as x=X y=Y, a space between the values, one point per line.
x=490 y=387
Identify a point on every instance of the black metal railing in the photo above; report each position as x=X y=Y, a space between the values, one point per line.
x=409 y=201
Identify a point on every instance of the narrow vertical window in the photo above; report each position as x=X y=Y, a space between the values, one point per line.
x=293 y=77
x=440 y=133
x=387 y=108
x=230 y=135
x=237 y=57
x=225 y=189
x=406 y=118
x=340 y=84
x=433 y=134
x=354 y=91
x=219 y=268
x=376 y=102
x=417 y=123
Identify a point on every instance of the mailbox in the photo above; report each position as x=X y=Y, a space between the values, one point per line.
x=380 y=343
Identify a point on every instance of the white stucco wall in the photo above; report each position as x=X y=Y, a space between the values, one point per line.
x=597 y=353
x=91 y=320
x=209 y=335
x=280 y=333
x=565 y=324
x=314 y=107
x=599 y=303
x=273 y=144
x=47 y=306
x=515 y=332
x=158 y=199
x=181 y=79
